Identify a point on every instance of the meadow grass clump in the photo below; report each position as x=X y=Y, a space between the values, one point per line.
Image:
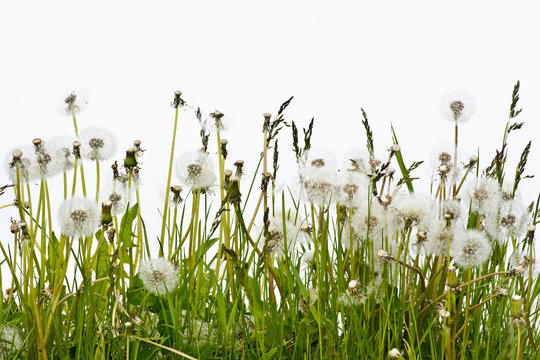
x=349 y=263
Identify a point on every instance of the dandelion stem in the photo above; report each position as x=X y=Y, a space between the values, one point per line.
x=97 y=180
x=168 y=188
x=74 y=121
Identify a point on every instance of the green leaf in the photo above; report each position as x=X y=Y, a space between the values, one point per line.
x=126 y=234
x=269 y=354
x=401 y=163
x=135 y=293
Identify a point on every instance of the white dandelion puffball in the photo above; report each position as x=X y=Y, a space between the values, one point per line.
x=484 y=196
x=470 y=248
x=62 y=148
x=195 y=170
x=79 y=217
x=216 y=120
x=280 y=243
x=318 y=177
x=73 y=101
x=158 y=275
x=457 y=106
x=353 y=188
x=10 y=340
x=24 y=164
x=414 y=210
x=44 y=162
x=97 y=143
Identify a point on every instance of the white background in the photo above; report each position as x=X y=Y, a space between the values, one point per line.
x=393 y=58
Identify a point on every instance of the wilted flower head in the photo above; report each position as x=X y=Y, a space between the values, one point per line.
x=79 y=217
x=73 y=102
x=158 y=275
x=195 y=170
x=470 y=248
x=215 y=121
x=97 y=143
x=457 y=106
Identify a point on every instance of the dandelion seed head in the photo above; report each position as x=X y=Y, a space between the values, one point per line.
x=439 y=238
x=451 y=211
x=414 y=210
x=484 y=196
x=158 y=276
x=369 y=221
x=457 y=106
x=10 y=340
x=44 y=161
x=62 y=148
x=97 y=143
x=470 y=248
x=195 y=170
x=352 y=189
x=511 y=221
x=445 y=158
x=73 y=101
x=276 y=238
x=395 y=354
x=79 y=217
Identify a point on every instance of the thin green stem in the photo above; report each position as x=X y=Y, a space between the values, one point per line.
x=168 y=187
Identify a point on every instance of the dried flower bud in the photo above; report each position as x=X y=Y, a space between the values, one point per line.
x=136 y=320
x=177 y=99
x=110 y=234
x=17 y=154
x=451 y=277
x=14 y=228
x=395 y=148
x=353 y=284
x=500 y=292
x=106 y=217
x=77 y=149
x=515 y=310
x=131 y=160
x=443 y=169
x=384 y=255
